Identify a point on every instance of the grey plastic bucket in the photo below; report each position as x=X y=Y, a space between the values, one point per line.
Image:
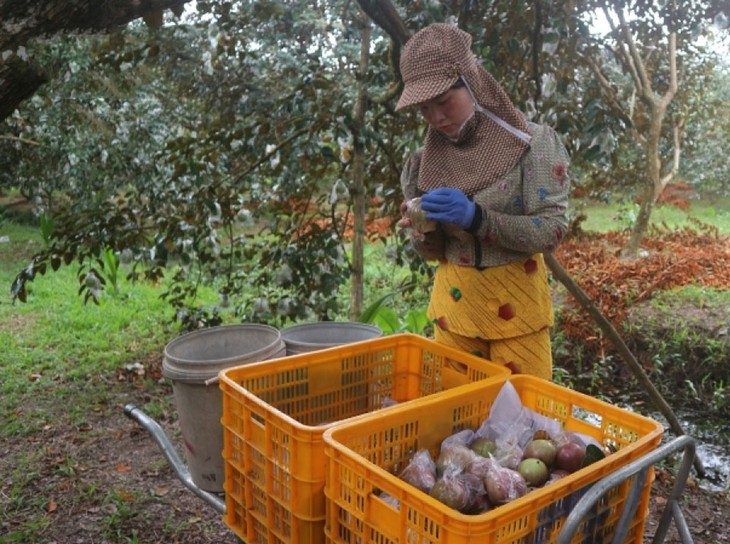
x=192 y=362
x=326 y=334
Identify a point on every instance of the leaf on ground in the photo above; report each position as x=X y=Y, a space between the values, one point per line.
x=669 y=259
x=161 y=491
x=123 y=468
x=126 y=496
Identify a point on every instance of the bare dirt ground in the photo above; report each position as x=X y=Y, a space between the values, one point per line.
x=706 y=513
x=105 y=482
x=108 y=482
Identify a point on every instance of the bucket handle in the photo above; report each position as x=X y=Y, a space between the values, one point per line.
x=211 y=381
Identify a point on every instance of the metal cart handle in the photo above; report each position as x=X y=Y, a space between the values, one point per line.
x=181 y=471
x=640 y=466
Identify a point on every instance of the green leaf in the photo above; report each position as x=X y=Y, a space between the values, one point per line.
x=387 y=320
x=416 y=321
x=327 y=153
x=593 y=454
x=369 y=314
x=592 y=154
x=550 y=36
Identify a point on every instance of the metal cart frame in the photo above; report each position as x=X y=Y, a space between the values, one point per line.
x=672 y=509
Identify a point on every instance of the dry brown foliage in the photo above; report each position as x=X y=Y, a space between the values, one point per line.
x=669 y=259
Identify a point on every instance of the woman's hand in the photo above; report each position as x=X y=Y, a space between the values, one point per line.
x=450 y=206
x=404 y=222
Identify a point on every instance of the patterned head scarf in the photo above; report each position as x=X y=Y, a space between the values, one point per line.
x=493 y=140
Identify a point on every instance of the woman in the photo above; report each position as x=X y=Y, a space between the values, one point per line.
x=497 y=188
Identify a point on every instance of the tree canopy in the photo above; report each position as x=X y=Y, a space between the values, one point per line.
x=225 y=146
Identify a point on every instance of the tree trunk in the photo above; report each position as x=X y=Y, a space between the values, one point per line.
x=385 y=15
x=641 y=225
x=18 y=81
x=653 y=184
x=357 y=188
x=24 y=21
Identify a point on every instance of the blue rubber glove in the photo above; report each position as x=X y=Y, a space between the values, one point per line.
x=450 y=206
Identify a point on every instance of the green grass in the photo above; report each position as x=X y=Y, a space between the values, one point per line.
x=56 y=346
x=696 y=295
x=64 y=368
x=56 y=343
x=608 y=217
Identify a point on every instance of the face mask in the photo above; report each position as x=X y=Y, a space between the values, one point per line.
x=501 y=122
x=464 y=129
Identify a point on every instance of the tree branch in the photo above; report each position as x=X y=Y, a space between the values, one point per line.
x=638 y=68
x=19 y=80
x=673 y=85
x=392 y=92
x=42 y=19
x=677 y=155
x=622 y=51
x=293 y=136
x=23 y=21
x=384 y=14
x=18 y=139
x=609 y=90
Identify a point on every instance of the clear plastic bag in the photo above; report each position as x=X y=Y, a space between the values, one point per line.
x=504 y=485
x=420 y=472
x=454 y=458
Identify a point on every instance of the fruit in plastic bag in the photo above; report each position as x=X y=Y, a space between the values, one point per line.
x=508 y=453
x=504 y=485
x=463 y=492
x=453 y=459
x=452 y=491
x=556 y=475
x=478 y=501
x=483 y=446
x=480 y=466
x=420 y=472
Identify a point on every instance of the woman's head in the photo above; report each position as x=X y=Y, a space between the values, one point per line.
x=469 y=150
x=433 y=61
x=448 y=111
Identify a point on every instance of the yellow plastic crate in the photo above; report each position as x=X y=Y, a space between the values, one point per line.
x=365 y=455
x=276 y=411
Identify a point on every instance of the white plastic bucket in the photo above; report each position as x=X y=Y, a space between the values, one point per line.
x=326 y=334
x=192 y=362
